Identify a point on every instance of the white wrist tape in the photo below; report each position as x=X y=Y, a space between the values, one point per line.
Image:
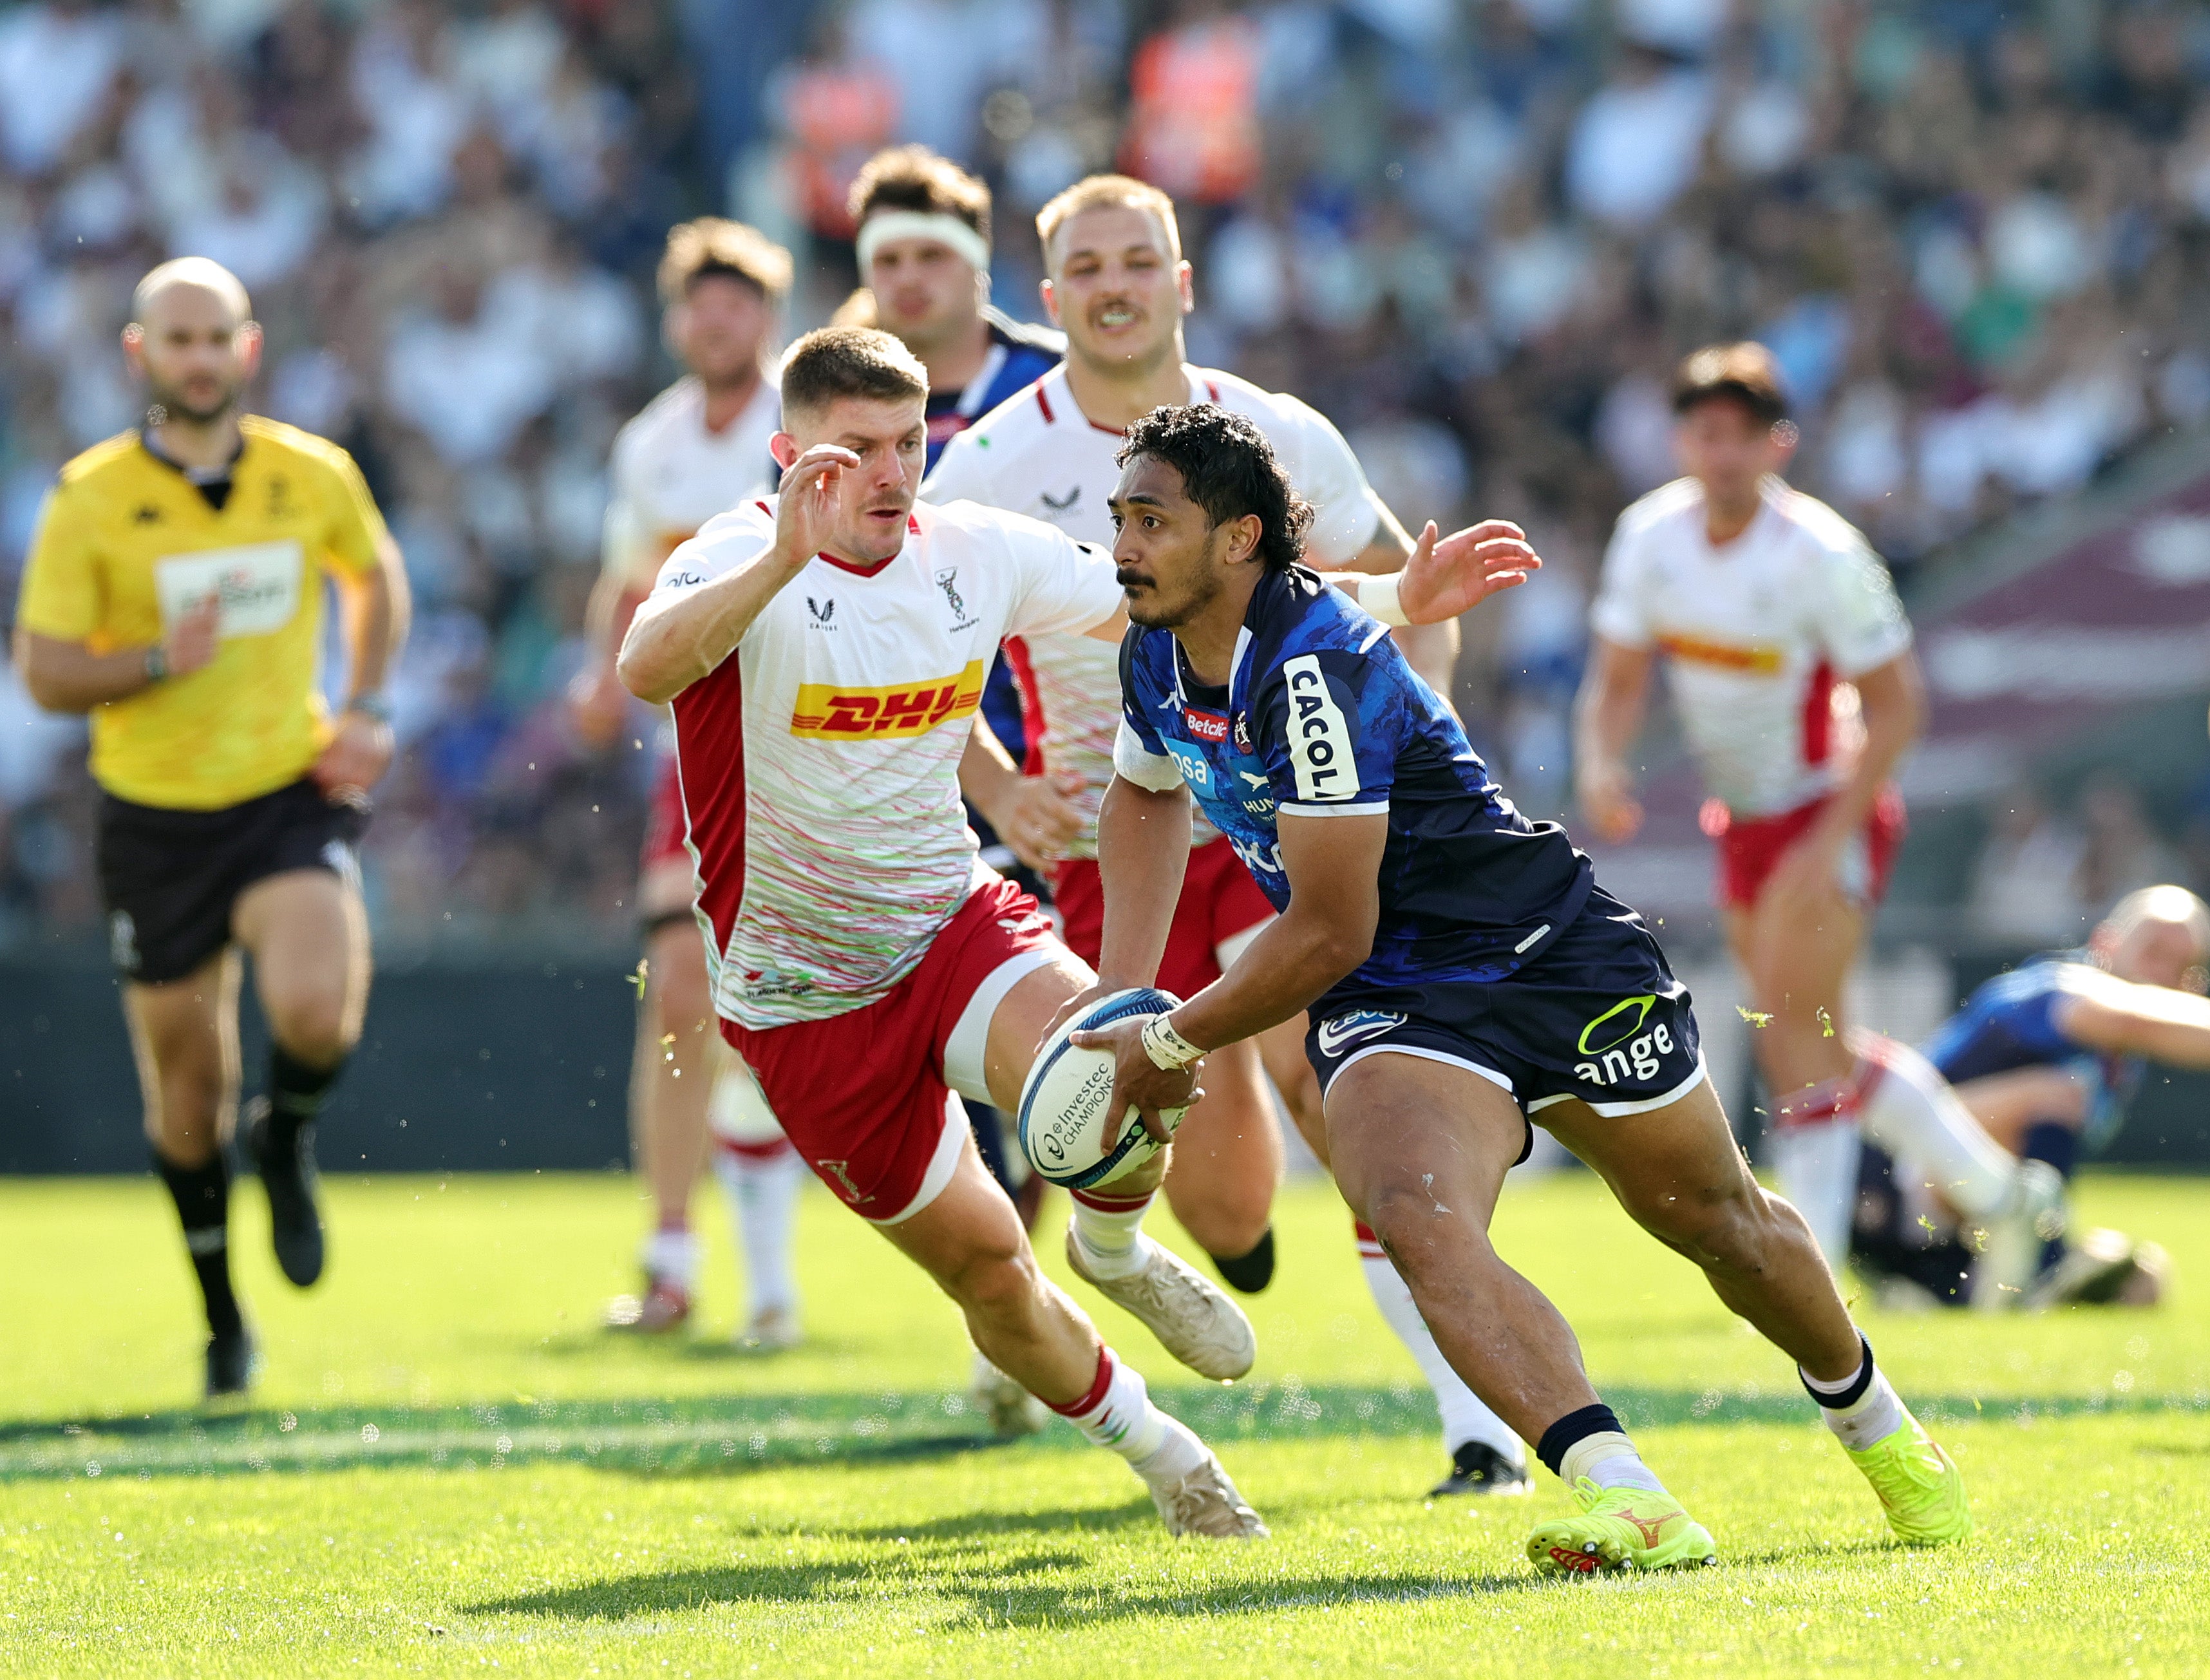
x=880 y=228
x=1379 y=596
x=1167 y=1050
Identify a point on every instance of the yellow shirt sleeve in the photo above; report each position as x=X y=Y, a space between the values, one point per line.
x=356 y=532
x=61 y=593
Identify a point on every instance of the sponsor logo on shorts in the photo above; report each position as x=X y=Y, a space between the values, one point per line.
x=1210 y=726
x=1619 y=1051
x=1319 y=738
x=837 y=1170
x=342 y=862
x=1339 y=1032
x=827 y=712
x=122 y=942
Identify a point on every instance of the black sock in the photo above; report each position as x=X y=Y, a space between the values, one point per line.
x=1570 y=1430
x=1249 y=1272
x=202 y=1197
x=1850 y=1395
x=296 y=1094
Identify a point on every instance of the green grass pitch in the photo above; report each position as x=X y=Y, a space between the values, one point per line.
x=449 y=1469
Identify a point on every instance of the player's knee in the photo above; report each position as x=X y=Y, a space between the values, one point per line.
x=1730 y=1230
x=1406 y=1216
x=314 y=1024
x=678 y=973
x=996 y=1282
x=189 y=1095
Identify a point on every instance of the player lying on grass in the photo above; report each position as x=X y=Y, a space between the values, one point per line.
x=823 y=650
x=1464 y=973
x=2037 y=1069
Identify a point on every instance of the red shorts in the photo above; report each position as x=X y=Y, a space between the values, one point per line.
x=1749 y=848
x=866 y=1095
x=1218 y=901
x=665 y=825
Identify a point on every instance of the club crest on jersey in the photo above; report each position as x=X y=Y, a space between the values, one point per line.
x=822 y=611
x=1242 y=731
x=830 y=711
x=1206 y=726
x=947 y=580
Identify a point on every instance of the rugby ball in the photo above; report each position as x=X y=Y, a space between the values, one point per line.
x=1064 y=1129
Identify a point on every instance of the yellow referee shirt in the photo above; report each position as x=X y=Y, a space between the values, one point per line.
x=126 y=544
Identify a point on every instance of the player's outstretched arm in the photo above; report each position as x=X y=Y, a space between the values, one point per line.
x=2123 y=1018
x=1444 y=575
x=1607 y=717
x=1334 y=867
x=681 y=634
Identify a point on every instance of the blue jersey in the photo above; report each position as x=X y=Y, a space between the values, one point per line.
x=1323 y=717
x=2010 y=1022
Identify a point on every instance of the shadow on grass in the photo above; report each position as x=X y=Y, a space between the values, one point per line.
x=739 y=1434
x=995 y=1587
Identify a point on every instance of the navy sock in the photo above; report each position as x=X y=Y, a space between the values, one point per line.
x=1850 y=1395
x=202 y=1195
x=1575 y=1427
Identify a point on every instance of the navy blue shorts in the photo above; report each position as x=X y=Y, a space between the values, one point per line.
x=1598 y=1017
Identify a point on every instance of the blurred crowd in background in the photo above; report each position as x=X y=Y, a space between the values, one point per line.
x=1478 y=233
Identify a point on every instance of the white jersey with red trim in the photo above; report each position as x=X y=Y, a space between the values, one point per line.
x=1037 y=453
x=1757 y=633
x=670 y=474
x=820 y=761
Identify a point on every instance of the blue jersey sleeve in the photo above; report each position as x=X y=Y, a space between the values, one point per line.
x=1333 y=722
x=1135 y=704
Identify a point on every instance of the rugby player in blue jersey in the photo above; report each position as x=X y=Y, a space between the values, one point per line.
x=2036 y=1069
x=1465 y=975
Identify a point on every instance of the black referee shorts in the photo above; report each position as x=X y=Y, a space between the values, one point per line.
x=170 y=878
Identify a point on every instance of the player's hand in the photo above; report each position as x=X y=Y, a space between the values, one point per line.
x=1449 y=575
x=1074 y=1005
x=192 y=642
x=1038 y=817
x=805 y=505
x=598 y=705
x=1137 y=1081
x=357 y=755
x=1606 y=793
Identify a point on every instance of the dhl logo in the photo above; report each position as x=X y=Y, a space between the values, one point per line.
x=826 y=712
x=1760 y=661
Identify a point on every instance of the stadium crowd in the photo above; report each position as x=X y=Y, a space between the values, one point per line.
x=1477 y=234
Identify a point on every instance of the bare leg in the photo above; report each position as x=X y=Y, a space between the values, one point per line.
x=1420 y=1151
x=1680 y=1175
x=184 y=1034
x=307 y=933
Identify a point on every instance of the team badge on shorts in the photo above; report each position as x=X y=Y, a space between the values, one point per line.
x=1617 y=1050
x=122 y=942
x=1339 y=1032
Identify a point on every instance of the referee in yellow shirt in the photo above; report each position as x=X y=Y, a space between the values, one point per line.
x=174 y=592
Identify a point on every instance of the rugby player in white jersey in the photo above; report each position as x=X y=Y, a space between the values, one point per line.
x=1792 y=673
x=823 y=651
x=698 y=448
x=1118 y=285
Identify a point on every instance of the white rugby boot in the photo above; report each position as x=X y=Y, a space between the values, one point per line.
x=1203 y=1502
x=1186 y=1310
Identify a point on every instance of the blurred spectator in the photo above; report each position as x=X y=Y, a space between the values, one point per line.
x=2025 y=889
x=2123 y=849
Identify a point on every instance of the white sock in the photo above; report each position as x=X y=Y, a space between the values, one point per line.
x=1117 y=1414
x=1465 y=1418
x=1874 y=1415
x=1110 y=1231
x=1815 y=1145
x=1910 y=1111
x=672 y=1255
x=762 y=1194
x=1609 y=1459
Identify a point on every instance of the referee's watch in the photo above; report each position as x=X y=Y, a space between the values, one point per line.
x=157 y=663
x=371 y=705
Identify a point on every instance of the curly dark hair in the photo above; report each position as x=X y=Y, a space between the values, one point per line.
x=1227 y=468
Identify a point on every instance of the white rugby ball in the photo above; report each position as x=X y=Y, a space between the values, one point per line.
x=1064 y=1129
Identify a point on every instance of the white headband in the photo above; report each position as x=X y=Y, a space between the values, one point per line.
x=944 y=229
